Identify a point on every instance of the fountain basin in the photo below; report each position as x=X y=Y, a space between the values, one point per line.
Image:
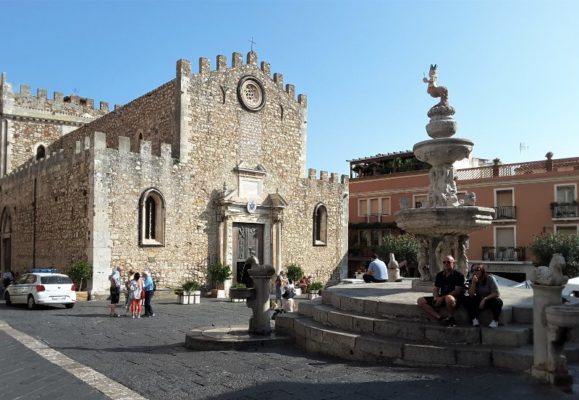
x=443 y=150
x=563 y=316
x=444 y=220
x=441 y=127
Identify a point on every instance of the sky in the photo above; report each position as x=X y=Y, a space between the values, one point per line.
x=511 y=67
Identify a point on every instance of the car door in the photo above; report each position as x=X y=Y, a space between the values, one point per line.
x=20 y=288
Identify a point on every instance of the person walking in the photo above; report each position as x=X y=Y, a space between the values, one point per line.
x=149 y=289
x=483 y=292
x=376 y=271
x=136 y=288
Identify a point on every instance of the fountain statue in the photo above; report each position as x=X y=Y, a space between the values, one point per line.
x=442 y=225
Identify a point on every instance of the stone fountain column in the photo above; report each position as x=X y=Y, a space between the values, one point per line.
x=442 y=225
x=259 y=323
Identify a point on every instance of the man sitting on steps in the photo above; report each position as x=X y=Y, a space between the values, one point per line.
x=448 y=290
x=376 y=271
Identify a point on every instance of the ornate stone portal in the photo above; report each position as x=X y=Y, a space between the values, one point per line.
x=442 y=225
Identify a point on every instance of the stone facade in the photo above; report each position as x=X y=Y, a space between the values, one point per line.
x=221 y=158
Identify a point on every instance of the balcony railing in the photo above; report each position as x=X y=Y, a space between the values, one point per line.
x=374 y=217
x=564 y=210
x=503 y=253
x=506 y=212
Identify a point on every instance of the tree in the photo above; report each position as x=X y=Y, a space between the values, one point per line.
x=404 y=247
x=80 y=273
x=545 y=245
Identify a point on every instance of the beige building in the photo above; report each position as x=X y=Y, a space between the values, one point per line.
x=199 y=170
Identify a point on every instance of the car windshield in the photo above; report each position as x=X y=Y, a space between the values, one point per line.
x=55 y=279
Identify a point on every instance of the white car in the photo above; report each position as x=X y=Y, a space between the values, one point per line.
x=41 y=288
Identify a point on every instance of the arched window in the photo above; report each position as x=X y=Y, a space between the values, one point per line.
x=320 y=225
x=152 y=218
x=40 y=152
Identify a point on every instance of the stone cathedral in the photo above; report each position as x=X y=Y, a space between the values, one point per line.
x=202 y=169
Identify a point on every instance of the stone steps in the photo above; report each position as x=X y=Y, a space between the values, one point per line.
x=313 y=336
x=411 y=330
x=383 y=324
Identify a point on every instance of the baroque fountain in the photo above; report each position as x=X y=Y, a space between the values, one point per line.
x=443 y=224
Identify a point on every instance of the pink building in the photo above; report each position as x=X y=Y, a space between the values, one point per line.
x=529 y=198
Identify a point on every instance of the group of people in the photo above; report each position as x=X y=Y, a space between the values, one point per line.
x=450 y=289
x=139 y=289
x=449 y=292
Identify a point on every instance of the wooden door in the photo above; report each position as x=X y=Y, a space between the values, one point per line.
x=245 y=237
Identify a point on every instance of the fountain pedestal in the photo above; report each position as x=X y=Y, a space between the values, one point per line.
x=551 y=323
x=259 y=323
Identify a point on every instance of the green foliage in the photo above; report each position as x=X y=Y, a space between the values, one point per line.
x=238 y=285
x=404 y=247
x=294 y=272
x=315 y=286
x=80 y=273
x=178 y=292
x=190 y=286
x=545 y=245
x=219 y=273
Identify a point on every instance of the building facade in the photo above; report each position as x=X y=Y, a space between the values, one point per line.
x=529 y=199
x=200 y=170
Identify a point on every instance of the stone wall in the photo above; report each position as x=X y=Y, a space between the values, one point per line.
x=29 y=121
x=56 y=232
x=151 y=117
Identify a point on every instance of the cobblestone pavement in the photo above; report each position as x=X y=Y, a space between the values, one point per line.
x=147 y=356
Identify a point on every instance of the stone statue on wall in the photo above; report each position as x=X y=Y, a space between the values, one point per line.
x=551 y=275
x=393 y=270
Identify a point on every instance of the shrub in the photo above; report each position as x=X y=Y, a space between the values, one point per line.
x=219 y=273
x=238 y=285
x=80 y=273
x=315 y=286
x=190 y=286
x=404 y=247
x=294 y=272
x=545 y=245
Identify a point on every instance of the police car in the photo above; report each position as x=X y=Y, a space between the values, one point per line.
x=41 y=287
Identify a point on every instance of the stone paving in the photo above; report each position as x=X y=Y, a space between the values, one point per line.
x=147 y=355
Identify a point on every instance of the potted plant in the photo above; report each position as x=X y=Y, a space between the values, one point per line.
x=314 y=289
x=239 y=292
x=218 y=274
x=295 y=273
x=189 y=293
x=80 y=273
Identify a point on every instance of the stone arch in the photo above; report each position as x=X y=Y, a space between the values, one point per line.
x=40 y=151
x=6 y=240
x=152 y=218
x=320 y=225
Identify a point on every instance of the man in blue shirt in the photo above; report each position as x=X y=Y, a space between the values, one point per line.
x=376 y=271
x=149 y=289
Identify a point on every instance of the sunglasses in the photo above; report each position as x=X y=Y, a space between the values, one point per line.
x=447 y=262
x=476 y=270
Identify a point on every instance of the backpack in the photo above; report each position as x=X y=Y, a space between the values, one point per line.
x=135 y=290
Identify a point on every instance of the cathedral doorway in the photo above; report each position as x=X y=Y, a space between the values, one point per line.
x=245 y=237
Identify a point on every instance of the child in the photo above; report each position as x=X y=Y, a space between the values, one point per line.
x=136 y=289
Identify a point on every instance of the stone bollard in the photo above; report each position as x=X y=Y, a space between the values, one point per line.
x=393 y=270
x=259 y=323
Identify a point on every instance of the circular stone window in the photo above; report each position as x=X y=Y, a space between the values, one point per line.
x=251 y=93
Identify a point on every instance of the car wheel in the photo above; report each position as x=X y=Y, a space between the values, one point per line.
x=7 y=298
x=69 y=305
x=31 y=303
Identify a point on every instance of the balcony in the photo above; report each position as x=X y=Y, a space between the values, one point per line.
x=503 y=253
x=564 y=210
x=505 y=212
